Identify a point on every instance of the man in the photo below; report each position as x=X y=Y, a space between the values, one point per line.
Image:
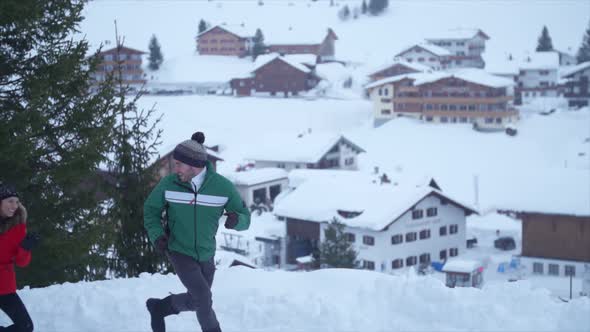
x=194 y=199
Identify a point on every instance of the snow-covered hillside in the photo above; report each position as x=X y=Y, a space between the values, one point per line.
x=256 y=300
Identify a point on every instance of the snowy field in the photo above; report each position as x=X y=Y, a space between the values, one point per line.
x=255 y=300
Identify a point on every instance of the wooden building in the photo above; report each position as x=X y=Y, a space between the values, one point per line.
x=125 y=59
x=225 y=40
x=296 y=42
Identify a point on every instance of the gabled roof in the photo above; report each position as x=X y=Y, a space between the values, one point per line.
x=569 y=71
x=418 y=67
x=472 y=75
x=256 y=176
x=265 y=59
x=239 y=31
x=459 y=34
x=124 y=49
x=430 y=48
x=376 y=205
x=540 y=60
x=309 y=148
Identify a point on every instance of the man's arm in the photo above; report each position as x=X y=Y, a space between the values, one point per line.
x=152 y=212
x=236 y=205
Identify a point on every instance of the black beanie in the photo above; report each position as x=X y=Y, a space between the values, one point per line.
x=192 y=152
x=7 y=191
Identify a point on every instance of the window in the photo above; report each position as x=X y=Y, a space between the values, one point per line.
x=453 y=229
x=537 y=268
x=442 y=231
x=424 y=258
x=397 y=239
x=431 y=212
x=350 y=237
x=424 y=234
x=442 y=255
x=570 y=270
x=444 y=119
x=108 y=57
x=368 y=265
x=385 y=112
x=397 y=264
x=368 y=240
x=417 y=214
x=553 y=269
x=453 y=252
x=411 y=237
x=412 y=260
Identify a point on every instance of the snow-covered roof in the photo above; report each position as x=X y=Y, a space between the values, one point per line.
x=309 y=148
x=540 y=60
x=256 y=176
x=561 y=191
x=500 y=65
x=239 y=30
x=472 y=75
x=565 y=72
x=299 y=35
x=461 y=265
x=399 y=61
x=319 y=199
x=434 y=49
x=263 y=60
x=458 y=33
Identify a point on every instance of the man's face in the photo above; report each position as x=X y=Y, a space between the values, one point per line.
x=185 y=172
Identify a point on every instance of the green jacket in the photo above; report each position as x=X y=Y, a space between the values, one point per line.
x=193 y=226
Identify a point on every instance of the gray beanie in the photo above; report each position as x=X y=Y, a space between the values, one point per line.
x=7 y=191
x=192 y=152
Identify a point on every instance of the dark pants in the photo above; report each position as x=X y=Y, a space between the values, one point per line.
x=12 y=305
x=197 y=277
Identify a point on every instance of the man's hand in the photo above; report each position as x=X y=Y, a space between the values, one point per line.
x=161 y=244
x=232 y=220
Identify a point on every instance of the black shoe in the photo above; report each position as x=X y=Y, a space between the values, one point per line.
x=159 y=309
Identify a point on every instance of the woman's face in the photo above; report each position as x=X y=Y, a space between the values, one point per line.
x=8 y=207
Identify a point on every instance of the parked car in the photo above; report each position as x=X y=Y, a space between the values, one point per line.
x=505 y=243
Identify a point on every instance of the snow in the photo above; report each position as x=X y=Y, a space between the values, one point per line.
x=309 y=148
x=473 y=75
x=256 y=176
x=237 y=29
x=461 y=265
x=414 y=65
x=455 y=34
x=565 y=72
x=298 y=34
x=540 y=60
x=266 y=58
x=436 y=50
x=324 y=300
x=378 y=204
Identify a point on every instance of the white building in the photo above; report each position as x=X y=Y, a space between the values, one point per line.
x=538 y=76
x=577 y=86
x=392 y=226
x=426 y=54
x=465 y=45
x=259 y=186
x=316 y=151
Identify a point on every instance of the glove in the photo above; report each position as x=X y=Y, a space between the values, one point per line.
x=232 y=220
x=161 y=244
x=30 y=241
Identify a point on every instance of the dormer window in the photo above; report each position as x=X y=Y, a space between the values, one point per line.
x=349 y=214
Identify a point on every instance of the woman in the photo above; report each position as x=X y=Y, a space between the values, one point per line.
x=15 y=248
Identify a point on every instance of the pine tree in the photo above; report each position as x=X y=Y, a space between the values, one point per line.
x=155 y=58
x=364 y=7
x=584 y=51
x=258 y=47
x=202 y=26
x=54 y=135
x=376 y=7
x=336 y=250
x=344 y=13
x=544 y=44
x=128 y=183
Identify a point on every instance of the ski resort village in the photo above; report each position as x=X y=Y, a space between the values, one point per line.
x=408 y=165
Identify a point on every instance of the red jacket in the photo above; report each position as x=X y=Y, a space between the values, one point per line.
x=11 y=253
